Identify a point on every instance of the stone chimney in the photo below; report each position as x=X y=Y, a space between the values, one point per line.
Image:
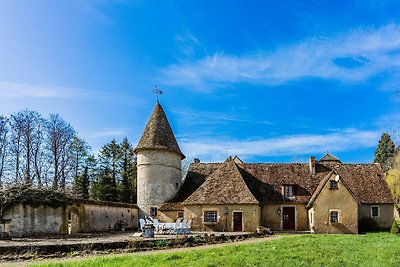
x=313 y=170
x=196 y=160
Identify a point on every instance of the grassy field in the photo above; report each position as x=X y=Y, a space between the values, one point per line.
x=378 y=249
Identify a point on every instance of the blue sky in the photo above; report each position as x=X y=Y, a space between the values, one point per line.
x=269 y=81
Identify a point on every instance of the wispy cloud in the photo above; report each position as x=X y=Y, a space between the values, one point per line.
x=17 y=90
x=350 y=57
x=211 y=149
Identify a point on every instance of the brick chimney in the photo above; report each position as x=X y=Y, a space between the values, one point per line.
x=313 y=170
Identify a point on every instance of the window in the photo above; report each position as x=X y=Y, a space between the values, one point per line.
x=153 y=212
x=210 y=216
x=334 y=216
x=375 y=211
x=288 y=191
x=180 y=214
x=333 y=185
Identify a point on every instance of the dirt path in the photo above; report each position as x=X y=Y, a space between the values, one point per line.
x=152 y=252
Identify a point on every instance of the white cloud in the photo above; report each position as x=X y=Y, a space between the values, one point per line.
x=351 y=57
x=17 y=90
x=216 y=149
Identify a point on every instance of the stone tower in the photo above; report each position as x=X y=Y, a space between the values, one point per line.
x=159 y=173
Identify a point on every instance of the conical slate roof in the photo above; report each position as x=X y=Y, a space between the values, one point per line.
x=158 y=133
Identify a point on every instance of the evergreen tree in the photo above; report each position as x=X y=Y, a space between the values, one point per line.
x=81 y=184
x=385 y=151
x=107 y=186
x=128 y=172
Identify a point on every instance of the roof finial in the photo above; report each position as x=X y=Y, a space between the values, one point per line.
x=157 y=92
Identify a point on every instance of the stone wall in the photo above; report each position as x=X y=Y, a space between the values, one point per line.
x=159 y=177
x=250 y=217
x=386 y=214
x=273 y=220
x=339 y=200
x=91 y=216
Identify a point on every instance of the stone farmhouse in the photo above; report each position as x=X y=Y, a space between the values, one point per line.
x=323 y=196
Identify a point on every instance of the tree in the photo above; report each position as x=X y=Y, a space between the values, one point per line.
x=60 y=135
x=16 y=126
x=81 y=184
x=128 y=172
x=385 y=152
x=3 y=145
x=79 y=152
x=107 y=186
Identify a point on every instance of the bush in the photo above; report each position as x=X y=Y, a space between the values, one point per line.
x=395 y=228
x=367 y=224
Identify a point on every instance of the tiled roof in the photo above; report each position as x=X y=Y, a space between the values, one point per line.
x=322 y=185
x=224 y=186
x=265 y=181
x=366 y=181
x=158 y=133
x=329 y=158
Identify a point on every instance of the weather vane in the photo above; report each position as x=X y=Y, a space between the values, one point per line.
x=157 y=92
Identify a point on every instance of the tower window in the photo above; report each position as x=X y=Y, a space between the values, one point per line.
x=153 y=212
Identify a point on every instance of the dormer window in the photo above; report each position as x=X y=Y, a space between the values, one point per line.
x=288 y=191
x=333 y=185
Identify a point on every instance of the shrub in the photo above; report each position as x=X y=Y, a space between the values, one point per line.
x=367 y=224
x=395 y=228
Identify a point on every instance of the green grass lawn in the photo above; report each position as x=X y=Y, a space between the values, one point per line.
x=378 y=249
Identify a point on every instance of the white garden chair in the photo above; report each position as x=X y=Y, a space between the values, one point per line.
x=142 y=222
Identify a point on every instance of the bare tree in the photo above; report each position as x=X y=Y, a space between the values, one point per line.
x=3 y=145
x=60 y=135
x=16 y=126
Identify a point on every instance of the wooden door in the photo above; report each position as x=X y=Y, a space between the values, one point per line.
x=237 y=222
x=288 y=217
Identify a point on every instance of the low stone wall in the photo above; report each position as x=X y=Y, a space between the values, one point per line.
x=82 y=216
x=135 y=244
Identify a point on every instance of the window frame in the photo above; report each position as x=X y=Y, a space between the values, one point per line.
x=179 y=213
x=153 y=212
x=210 y=216
x=337 y=216
x=378 y=211
x=288 y=196
x=333 y=182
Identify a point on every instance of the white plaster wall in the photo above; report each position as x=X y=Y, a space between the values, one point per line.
x=158 y=178
x=26 y=220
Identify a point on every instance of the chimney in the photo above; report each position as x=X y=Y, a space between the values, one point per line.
x=196 y=160
x=313 y=170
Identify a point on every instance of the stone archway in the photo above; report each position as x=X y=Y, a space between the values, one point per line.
x=73 y=220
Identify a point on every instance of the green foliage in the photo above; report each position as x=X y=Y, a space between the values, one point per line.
x=385 y=151
x=395 y=228
x=107 y=186
x=128 y=172
x=367 y=224
x=378 y=249
x=26 y=195
x=116 y=178
x=393 y=179
x=81 y=185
